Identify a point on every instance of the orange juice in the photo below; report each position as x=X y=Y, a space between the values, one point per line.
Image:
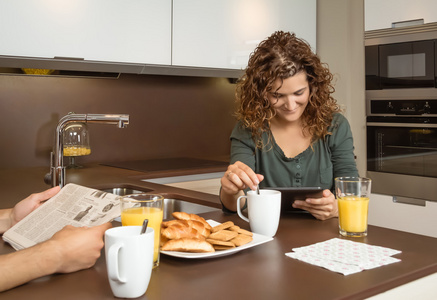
x=352 y=215
x=135 y=217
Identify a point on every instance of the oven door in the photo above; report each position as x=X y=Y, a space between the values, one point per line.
x=402 y=148
x=402 y=157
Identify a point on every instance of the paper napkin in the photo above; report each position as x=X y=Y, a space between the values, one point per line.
x=345 y=256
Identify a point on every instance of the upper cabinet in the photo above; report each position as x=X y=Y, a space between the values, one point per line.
x=171 y=37
x=222 y=34
x=381 y=14
x=134 y=31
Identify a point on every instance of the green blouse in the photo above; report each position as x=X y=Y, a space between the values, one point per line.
x=318 y=165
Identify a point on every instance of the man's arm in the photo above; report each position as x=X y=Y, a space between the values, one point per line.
x=69 y=250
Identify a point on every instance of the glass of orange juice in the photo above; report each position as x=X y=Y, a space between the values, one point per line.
x=136 y=208
x=353 y=195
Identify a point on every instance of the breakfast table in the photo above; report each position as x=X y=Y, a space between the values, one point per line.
x=259 y=272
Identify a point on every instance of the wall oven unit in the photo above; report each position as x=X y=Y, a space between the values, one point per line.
x=402 y=148
x=401 y=107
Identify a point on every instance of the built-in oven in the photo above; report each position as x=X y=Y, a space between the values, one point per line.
x=402 y=147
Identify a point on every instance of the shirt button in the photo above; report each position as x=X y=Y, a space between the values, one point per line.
x=298 y=166
x=297 y=175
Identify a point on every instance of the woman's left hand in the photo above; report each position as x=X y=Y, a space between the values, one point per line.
x=321 y=208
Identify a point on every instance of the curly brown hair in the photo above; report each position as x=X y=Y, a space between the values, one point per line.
x=282 y=55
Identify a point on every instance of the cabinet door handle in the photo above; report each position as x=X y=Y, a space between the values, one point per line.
x=411 y=201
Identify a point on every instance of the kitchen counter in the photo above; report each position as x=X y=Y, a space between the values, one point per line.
x=16 y=184
x=260 y=272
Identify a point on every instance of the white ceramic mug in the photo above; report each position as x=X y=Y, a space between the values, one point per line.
x=129 y=260
x=264 y=211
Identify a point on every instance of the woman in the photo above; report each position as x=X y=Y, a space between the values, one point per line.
x=290 y=131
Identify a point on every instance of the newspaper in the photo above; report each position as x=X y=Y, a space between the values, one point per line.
x=74 y=205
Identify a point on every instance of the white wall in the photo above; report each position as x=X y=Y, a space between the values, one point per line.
x=340 y=44
x=381 y=13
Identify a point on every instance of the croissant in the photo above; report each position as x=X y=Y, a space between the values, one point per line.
x=172 y=222
x=180 y=230
x=199 y=226
x=185 y=216
x=188 y=245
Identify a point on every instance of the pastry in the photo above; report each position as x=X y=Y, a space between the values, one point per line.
x=223 y=235
x=240 y=230
x=188 y=245
x=241 y=239
x=180 y=215
x=180 y=230
x=220 y=243
x=222 y=226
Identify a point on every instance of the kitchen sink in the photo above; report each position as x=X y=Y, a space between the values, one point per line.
x=171 y=204
x=123 y=191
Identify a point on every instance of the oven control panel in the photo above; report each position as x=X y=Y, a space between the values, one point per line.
x=403 y=107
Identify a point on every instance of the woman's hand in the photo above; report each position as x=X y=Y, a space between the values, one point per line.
x=238 y=177
x=322 y=208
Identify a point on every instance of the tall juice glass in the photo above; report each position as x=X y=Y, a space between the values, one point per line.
x=136 y=208
x=353 y=195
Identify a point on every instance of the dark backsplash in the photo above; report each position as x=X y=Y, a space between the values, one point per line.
x=169 y=116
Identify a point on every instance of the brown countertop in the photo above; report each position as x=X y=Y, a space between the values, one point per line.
x=262 y=272
x=16 y=184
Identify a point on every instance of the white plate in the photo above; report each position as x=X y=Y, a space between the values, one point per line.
x=258 y=239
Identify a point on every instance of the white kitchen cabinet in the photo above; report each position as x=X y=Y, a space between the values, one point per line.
x=174 y=37
x=222 y=34
x=384 y=212
x=380 y=14
x=134 y=31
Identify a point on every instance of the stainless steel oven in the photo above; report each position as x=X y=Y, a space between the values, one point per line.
x=402 y=147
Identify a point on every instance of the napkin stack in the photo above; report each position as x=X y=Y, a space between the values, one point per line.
x=345 y=256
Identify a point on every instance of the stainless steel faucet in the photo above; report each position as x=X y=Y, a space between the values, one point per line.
x=57 y=169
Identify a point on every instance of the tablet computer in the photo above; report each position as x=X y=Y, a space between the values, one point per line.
x=290 y=194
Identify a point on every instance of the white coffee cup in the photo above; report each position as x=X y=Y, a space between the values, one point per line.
x=264 y=211
x=129 y=260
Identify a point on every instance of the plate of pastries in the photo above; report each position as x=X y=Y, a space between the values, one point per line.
x=191 y=236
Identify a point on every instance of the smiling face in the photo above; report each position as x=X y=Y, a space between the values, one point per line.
x=289 y=98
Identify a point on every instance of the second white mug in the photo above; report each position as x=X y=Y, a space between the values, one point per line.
x=264 y=211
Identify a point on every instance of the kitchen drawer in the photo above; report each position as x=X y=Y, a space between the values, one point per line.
x=412 y=218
